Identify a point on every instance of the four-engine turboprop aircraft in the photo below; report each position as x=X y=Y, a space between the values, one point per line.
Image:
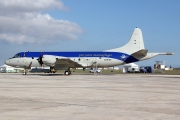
x=133 y=51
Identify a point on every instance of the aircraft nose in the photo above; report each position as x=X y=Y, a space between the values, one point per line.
x=7 y=62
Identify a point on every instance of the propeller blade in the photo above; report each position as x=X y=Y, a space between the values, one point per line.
x=40 y=59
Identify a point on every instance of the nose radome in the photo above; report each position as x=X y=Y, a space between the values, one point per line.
x=7 y=62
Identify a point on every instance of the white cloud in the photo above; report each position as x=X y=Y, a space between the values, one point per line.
x=19 y=6
x=22 y=22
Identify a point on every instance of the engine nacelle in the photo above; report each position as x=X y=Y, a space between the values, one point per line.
x=49 y=60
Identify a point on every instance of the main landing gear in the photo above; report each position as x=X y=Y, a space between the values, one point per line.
x=52 y=70
x=67 y=72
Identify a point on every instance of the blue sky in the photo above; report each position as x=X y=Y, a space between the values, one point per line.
x=90 y=25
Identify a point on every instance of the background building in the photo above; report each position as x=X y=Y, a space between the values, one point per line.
x=9 y=69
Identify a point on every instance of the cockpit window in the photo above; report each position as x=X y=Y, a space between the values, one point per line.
x=17 y=56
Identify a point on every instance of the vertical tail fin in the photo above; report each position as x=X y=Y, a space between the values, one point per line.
x=135 y=43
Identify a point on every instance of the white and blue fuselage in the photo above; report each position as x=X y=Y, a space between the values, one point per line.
x=85 y=59
x=133 y=51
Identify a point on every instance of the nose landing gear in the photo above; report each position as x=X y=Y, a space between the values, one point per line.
x=24 y=72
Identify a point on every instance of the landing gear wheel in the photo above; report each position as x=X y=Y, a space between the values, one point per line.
x=67 y=73
x=24 y=73
x=52 y=70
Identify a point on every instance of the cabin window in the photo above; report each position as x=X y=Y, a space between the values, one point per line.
x=17 y=56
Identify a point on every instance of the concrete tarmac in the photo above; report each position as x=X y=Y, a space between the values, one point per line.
x=89 y=97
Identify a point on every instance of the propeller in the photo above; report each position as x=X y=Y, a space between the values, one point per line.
x=40 y=59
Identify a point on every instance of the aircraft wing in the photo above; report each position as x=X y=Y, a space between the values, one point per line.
x=66 y=63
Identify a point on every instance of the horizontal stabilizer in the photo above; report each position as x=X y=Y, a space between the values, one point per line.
x=167 y=53
x=140 y=53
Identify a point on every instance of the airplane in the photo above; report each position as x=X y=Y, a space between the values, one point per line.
x=133 y=51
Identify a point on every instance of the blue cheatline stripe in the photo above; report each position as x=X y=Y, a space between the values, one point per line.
x=115 y=55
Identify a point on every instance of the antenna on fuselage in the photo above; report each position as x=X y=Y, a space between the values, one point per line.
x=24 y=54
